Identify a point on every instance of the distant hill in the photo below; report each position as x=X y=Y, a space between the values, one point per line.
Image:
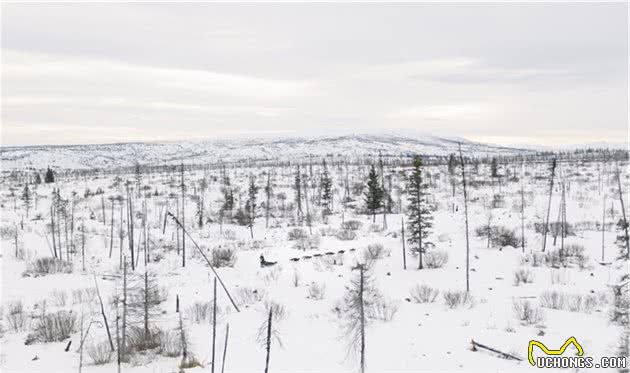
x=126 y=154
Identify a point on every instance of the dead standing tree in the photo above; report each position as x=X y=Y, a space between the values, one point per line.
x=463 y=165
x=546 y=224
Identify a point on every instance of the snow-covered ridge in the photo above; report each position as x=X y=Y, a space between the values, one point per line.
x=200 y=151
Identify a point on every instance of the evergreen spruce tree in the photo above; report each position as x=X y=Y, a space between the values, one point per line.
x=420 y=217
x=27 y=198
x=50 y=176
x=494 y=168
x=374 y=194
x=38 y=178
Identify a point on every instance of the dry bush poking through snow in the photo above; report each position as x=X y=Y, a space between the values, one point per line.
x=279 y=311
x=171 y=344
x=458 y=298
x=526 y=313
x=424 y=294
x=47 y=266
x=351 y=225
x=60 y=298
x=523 y=276
x=382 y=310
x=53 y=327
x=223 y=257
x=100 y=353
x=307 y=243
x=558 y=300
x=316 y=291
x=296 y=234
x=346 y=235
x=247 y=296
x=533 y=259
x=375 y=251
x=435 y=258
x=16 y=317
x=199 y=312
x=138 y=341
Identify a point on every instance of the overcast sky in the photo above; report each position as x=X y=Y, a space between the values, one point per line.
x=502 y=73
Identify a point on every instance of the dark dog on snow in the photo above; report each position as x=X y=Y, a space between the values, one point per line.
x=264 y=263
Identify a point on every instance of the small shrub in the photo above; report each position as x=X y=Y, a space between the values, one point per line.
x=171 y=344
x=223 y=257
x=376 y=228
x=375 y=251
x=533 y=259
x=382 y=310
x=16 y=317
x=247 y=296
x=139 y=341
x=571 y=302
x=523 y=276
x=279 y=311
x=552 y=299
x=346 y=235
x=307 y=243
x=53 y=327
x=351 y=225
x=455 y=298
x=100 y=353
x=424 y=294
x=527 y=313
x=47 y=266
x=316 y=291
x=435 y=258
x=199 y=312
x=296 y=234
x=60 y=298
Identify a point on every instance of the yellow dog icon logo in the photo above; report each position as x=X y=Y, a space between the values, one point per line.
x=560 y=351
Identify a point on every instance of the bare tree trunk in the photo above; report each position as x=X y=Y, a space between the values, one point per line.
x=52 y=227
x=117 y=338
x=603 y=225
x=16 y=242
x=268 y=192
x=103 y=208
x=111 y=233
x=183 y=218
x=546 y=225
x=183 y=338
x=461 y=160
x=100 y=300
x=130 y=229
x=404 y=254
x=522 y=217
x=225 y=344
x=362 y=312
x=83 y=247
x=124 y=315
x=623 y=211
x=268 y=339
x=214 y=323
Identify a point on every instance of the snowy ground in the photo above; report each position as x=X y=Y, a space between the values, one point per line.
x=419 y=337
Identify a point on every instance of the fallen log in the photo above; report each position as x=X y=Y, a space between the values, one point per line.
x=476 y=345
